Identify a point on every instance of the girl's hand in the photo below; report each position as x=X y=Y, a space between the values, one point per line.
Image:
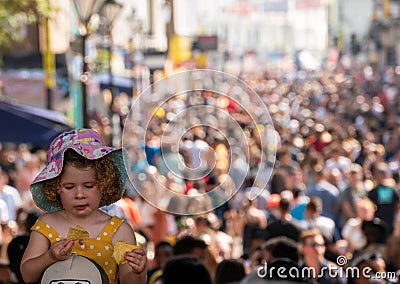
x=61 y=250
x=136 y=259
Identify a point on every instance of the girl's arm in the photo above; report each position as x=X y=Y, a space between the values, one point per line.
x=38 y=256
x=135 y=270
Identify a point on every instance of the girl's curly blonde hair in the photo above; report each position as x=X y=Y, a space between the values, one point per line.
x=107 y=176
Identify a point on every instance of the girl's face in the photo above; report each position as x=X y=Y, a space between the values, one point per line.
x=79 y=191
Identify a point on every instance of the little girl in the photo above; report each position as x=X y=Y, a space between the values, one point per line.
x=81 y=175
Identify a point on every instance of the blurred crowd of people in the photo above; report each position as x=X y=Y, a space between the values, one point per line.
x=333 y=191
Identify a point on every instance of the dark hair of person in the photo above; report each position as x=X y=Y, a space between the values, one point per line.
x=162 y=244
x=283 y=247
x=186 y=244
x=284 y=204
x=228 y=271
x=278 y=182
x=185 y=269
x=375 y=230
x=314 y=204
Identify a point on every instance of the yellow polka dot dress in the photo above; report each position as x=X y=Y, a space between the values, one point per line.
x=98 y=249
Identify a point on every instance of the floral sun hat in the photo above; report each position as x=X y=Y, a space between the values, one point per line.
x=87 y=143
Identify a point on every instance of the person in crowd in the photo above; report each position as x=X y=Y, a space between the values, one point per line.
x=284 y=226
x=384 y=196
x=310 y=164
x=327 y=192
x=239 y=167
x=247 y=190
x=284 y=159
x=354 y=192
x=152 y=147
x=10 y=204
x=313 y=249
x=26 y=172
x=207 y=228
x=336 y=160
x=393 y=253
x=16 y=248
x=163 y=251
x=375 y=232
x=352 y=231
x=185 y=269
x=7 y=163
x=229 y=271
x=282 y=252
x=82 y=174
x=254 y=226
x=314 y=220
x=147 y=214
x=370 y=267
x=336 y=178
x=191 y=245
x=300 y=201
x=194 y=246
x=278 y=181
x=4 y=217
x=10 y=196
x=273 y=213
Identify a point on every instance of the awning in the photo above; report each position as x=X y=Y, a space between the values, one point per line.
x=20 y=123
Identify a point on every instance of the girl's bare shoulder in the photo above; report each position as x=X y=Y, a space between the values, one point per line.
x=50 y=217
x=125 y=233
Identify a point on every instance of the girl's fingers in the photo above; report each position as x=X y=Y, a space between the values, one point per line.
x=138 y=251
x=64 y=248
x=137 y=260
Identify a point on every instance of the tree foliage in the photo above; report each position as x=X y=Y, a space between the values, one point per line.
x=14 y=15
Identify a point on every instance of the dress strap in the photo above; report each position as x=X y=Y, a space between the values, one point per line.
x=111 y=227
x=46 y=230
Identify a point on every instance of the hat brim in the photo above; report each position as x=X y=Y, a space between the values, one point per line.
x=119 y=157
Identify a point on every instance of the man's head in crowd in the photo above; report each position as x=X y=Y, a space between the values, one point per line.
x=312 y=245
x=191 y=246
x=185 y=269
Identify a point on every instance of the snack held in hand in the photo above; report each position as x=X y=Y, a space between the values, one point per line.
x=120 y=248
x=77 y=233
